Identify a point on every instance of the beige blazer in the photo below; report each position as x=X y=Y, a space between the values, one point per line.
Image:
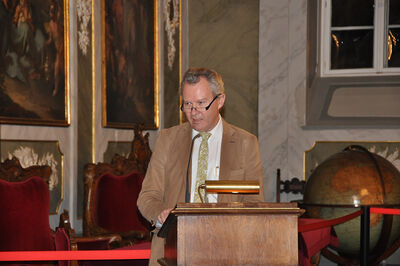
x=165 y=182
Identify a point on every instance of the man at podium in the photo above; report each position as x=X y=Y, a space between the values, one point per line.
x=205 y=147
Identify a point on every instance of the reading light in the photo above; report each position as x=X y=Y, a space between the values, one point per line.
x=230 y=186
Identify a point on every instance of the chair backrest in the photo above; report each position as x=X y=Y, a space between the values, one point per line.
x=11 y=170
x=112 y=189
x=115 y=202
x=293 y=185
x=24 y=217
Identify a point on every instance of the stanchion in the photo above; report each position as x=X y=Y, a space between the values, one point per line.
x=364 y=235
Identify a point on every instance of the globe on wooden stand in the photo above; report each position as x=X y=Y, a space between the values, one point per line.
x=344 y=182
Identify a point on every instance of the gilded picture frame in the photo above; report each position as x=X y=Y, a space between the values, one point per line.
x=34 y=62
x=130 y=64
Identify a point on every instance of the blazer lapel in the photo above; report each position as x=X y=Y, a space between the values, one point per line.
x=227 y=148
x=183 y=153
x=229 y=159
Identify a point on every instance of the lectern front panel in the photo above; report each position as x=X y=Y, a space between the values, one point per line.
x=237 y=239
x=232 y=234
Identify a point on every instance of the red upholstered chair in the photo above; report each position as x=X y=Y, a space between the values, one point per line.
x=111 y=192
x=24 y=208
x=114 y=207
x=24 y=219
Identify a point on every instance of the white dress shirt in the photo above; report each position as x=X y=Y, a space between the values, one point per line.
x=214 y=156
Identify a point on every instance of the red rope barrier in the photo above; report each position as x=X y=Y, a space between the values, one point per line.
x=135 y=254
x=327 y=223
x=385 y=211
x=138 y=254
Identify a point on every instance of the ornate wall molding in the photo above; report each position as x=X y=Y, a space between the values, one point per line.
x=84 y=11
x=171 y=21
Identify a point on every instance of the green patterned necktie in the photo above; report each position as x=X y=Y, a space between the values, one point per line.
x=202 y=165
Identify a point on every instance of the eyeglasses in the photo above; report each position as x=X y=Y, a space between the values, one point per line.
x=188 y=106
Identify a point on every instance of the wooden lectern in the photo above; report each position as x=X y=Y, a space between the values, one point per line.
x=232 y=233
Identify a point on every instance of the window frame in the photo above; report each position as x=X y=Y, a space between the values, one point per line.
x=380 y=27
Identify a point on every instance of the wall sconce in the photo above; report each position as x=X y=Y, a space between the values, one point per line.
x=229 y=186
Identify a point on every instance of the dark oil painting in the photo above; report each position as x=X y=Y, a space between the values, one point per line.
x=129 y=65
x=33 y=59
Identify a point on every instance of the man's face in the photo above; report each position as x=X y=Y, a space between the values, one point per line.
x=197 y=94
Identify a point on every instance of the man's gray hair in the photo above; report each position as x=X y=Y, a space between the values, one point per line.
x=192 y=76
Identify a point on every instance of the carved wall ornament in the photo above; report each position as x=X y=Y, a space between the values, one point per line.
x=392 y=156
x=84 y=11
x=171 y=21
x=321 y=150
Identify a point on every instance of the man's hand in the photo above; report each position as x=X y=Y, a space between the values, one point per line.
x=163 y=215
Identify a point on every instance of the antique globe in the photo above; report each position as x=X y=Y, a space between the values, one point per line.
x=347 y=180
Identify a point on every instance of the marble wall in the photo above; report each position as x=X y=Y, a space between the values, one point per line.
x=223 y=35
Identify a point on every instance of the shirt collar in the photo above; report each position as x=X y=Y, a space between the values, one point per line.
x=217 y=127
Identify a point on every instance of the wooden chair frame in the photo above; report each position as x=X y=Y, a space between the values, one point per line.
x=137 y=160
x=12 y=171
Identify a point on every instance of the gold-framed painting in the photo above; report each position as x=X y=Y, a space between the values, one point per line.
x=130 y=63
x=38 y=152
x=322 y=150
x=34 y=62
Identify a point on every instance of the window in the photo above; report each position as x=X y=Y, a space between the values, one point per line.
x=360 y=37
x=393 y=29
